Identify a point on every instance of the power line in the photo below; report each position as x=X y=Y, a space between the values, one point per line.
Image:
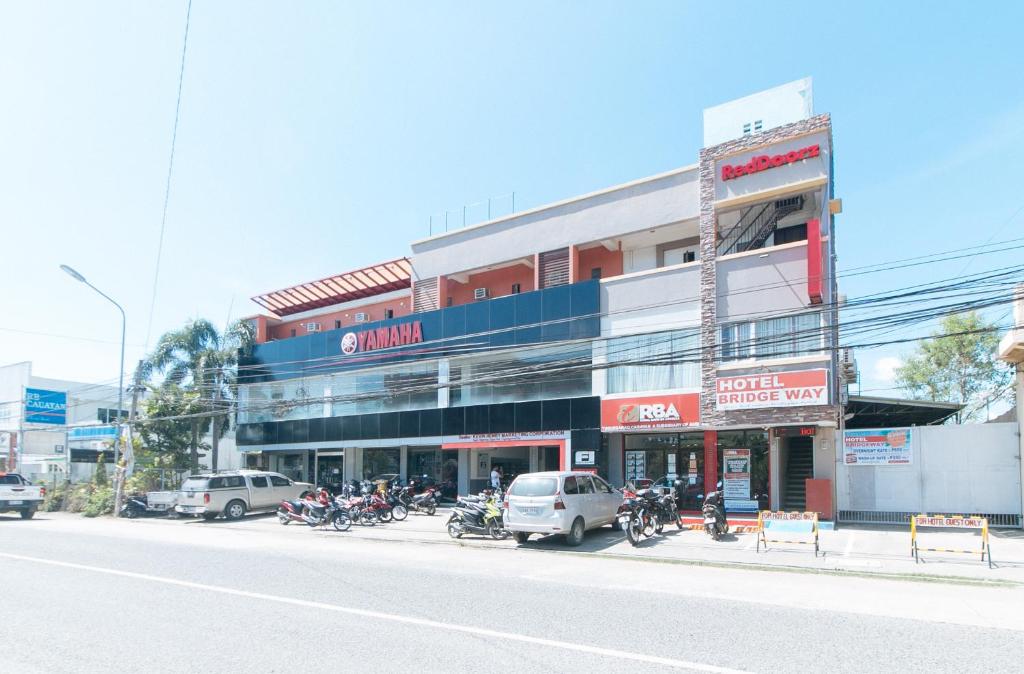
x=170 y=170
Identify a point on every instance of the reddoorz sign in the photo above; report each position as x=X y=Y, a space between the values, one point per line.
x=763 y=162
x=382 y=338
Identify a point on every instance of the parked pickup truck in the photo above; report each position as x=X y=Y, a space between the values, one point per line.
x=19 y=495
x=234 y=493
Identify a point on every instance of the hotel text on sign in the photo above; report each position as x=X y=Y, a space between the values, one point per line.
x=781 y=389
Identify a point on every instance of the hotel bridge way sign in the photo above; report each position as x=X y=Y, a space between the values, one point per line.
x=45 y=407
x=798 y=388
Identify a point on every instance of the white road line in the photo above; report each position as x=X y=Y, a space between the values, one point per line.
x=408 y=620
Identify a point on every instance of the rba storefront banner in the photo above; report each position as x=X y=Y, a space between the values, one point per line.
x=650 y=412
x=781 y=389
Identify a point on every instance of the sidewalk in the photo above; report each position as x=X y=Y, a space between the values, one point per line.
x=862 y=549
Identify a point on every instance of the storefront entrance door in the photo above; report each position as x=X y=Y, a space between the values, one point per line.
x=330 y=471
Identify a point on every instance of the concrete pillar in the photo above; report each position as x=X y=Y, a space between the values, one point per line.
x=403 y=461
x=464 y=466
x=534 y=459
x=574 y=264
x=615 y=458
x=710 y=461
x=774 y=472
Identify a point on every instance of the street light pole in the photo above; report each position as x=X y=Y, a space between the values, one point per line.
x=120 y=382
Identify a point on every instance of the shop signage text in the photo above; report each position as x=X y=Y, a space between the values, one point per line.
x=783 y=389
x=763 y=162
x=45 y=407
x=950 y=522
x=382 y=338
x=618 y=414
x=878 y=447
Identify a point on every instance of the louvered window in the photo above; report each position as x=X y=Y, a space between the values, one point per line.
x=554 y=268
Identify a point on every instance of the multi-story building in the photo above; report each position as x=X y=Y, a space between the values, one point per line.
x=682 y=324
x=53 y=429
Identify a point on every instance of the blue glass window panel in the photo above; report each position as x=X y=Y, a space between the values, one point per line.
x=529 y=312
x=430 y=423
x=503 y=320
x=555 y=415
x=502 y=418
x=556 y=310
x=528 y=417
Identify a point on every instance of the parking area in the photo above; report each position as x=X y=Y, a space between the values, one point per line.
x=879 y=550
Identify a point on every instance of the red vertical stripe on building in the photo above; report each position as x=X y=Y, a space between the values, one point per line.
x=814 y=269
x=710 y=460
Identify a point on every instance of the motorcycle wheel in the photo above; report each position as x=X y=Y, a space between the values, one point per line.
x=368 y=519
x=454 y=529
x=634 y=530
x=659 y=528
x=341 y=521
x=496 y=531
x=431 y=509
x=384 y=515
x=399 y=512
x=283 y=518
x=648 y=527
x=131 y=513
x=314 y=522
x=713 y=530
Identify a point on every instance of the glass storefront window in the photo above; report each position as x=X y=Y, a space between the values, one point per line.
x=663 y=458
x=520 y=376
x=425 y=462
x=744 y=493
x=379 y=461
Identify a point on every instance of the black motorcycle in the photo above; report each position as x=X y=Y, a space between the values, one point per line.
x=478 y=515
x=425 y=502
x=666 y=510
x=138 y=506
x=638 y=516
x=715 y=523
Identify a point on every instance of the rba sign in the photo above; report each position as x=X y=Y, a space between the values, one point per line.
x=633 y=413
x=650 y=412
x=382 y=338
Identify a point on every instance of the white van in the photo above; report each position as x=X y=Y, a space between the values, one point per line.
x=559 y=502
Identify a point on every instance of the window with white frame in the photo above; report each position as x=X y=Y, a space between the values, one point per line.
x=782 y=337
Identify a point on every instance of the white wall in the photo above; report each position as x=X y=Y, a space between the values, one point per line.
x=779 y=105
x=970 y=469
x=764 y=282
x=642 y=205
x=662 y=299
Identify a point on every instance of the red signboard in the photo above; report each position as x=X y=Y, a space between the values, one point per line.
x=781 y=389
x=382 y=338
x=648 y=412
x=763 y=162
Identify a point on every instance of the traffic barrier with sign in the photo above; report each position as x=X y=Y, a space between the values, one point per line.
x=786 y=523
x=952 y=522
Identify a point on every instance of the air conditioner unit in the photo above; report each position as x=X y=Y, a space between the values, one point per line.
x=312 y=327
x=480 y=294
x=362 y=317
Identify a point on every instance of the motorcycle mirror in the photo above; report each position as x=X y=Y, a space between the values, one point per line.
x=719 y=485
x=700 y=496
x=677 y=483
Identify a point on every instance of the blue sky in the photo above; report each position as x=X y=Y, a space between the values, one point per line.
x=320 y=136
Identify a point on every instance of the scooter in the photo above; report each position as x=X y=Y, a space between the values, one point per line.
x=715 y=523
x=137 y=506
x=315 y=514
x=478 y=515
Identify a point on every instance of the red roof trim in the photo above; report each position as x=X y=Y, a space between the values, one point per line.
x=367 y=282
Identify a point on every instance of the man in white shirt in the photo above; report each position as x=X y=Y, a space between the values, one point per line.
x=496 y=477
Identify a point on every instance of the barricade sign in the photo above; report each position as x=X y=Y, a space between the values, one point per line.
x=786 y=523
x=950 y=522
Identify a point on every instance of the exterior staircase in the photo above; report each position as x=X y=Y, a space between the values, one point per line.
x=756 y=224
x=799 y=467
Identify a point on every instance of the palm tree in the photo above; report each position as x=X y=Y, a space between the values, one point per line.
x=200 y=359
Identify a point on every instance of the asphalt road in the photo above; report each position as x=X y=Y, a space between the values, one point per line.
x=165 y=596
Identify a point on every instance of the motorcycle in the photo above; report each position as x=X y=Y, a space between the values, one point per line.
x=715 y=523
x=314 y=514
x=667 y=510
x=641 y=518
x=478 y=515
x=138 y=506
x=399 y=511
x=424 y=502
x=359 y=510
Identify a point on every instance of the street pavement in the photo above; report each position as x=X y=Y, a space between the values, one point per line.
x=110 y=595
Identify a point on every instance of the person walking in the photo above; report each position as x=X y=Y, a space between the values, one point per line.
x=496 y=477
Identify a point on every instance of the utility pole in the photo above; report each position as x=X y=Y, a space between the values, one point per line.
x=215 y=426
x=129 y=451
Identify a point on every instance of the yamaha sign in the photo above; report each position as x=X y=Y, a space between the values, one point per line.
x=382 y=338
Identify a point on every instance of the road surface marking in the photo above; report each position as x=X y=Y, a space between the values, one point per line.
x=408 y=620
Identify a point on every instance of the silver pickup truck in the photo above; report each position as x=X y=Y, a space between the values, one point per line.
x=234 y=493
x=19 y=495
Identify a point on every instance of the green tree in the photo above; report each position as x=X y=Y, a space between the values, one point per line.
x=165 y=436
x=957 y=364
x=201 y=360
x=100 y=478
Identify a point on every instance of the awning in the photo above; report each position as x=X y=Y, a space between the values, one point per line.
x=366 y=282
x=868 y=412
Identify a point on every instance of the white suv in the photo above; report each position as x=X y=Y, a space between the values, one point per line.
x=235 y=493
x=566 y=502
